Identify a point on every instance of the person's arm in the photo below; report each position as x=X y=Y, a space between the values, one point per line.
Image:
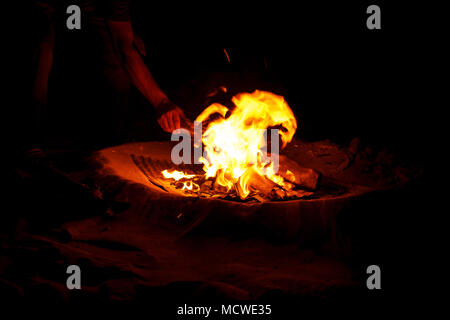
x=122 y=37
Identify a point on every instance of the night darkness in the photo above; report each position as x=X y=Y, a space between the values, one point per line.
x=361 y=91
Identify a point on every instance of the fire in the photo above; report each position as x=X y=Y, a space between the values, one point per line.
x=191 y=186
x=177 y=175
x=234 y=143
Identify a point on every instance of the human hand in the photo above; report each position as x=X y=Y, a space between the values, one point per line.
x=171 y=119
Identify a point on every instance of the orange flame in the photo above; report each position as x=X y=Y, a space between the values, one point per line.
x=177 y=175
x=233 y=145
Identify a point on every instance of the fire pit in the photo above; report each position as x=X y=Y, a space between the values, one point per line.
x=236 y=182
x=132 y=173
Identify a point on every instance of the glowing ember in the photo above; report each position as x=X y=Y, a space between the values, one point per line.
x=177 y=175
x=189 y=185
x=234 y=145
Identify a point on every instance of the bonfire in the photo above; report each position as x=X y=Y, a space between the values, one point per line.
x=239 y=160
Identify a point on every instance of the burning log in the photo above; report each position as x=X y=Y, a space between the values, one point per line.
x=256 y=183
x=293 y=172
x=251 y=184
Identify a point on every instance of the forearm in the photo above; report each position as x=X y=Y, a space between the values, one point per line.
x=142 y=78
x=122 y=38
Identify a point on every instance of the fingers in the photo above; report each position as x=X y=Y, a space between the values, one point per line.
x=176 y=121
x=170 y=116
x=164 y=123
x=171 y=120
x=160 y=124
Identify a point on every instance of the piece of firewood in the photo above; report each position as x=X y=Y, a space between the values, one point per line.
x=256 y=182
x=293 y=172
